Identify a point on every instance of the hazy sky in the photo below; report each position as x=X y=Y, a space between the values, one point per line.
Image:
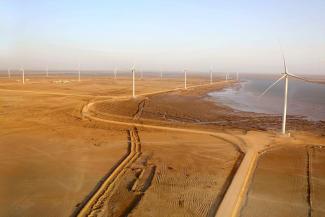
x=234 y=35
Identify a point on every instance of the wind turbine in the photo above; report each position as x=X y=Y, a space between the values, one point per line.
x=23 y=70
x=133 y=81
x=211 y=75
x=115 y=73
x=285 y=76
x=185 y=79
x=9 y=74
x=79 y=72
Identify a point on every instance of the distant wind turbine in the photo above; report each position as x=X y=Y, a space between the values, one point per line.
x=79 y=72
x=133 y=81
x=23 y=70
x=211 y=76
x=115 y=73
x=285 y=76
x=185 y=79
x=9 y=74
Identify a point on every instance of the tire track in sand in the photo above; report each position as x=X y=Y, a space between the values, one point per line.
x=95 y=202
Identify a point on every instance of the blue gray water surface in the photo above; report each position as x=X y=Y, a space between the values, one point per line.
x=304 y=99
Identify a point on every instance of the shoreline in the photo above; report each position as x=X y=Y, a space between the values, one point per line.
x=244 y=97
x=298 y=119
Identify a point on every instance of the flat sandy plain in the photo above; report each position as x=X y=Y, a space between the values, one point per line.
x=54 y=159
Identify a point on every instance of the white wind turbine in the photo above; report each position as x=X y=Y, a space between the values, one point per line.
x=185 y=79
x=285 y=76
x=115 y=73
x=23 y=70
x=79 y=72
x=133 y=81
x=211 y=75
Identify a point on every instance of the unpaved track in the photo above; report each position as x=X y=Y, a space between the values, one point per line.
x=231 y=203
x=96 y=202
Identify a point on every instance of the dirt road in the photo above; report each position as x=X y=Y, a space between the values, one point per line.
x=232 y=201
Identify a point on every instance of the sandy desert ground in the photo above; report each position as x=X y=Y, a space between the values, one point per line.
x=87 y=148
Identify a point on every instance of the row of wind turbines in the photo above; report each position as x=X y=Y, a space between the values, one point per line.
x=284 y=77
x=161 y=76
x=115 y=71
x=46 y=71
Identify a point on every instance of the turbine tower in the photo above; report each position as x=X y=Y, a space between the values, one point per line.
x=185 y=79
x=133 y=81
x=211 y=75
x=115 y=72
x=23 y=70
x=79 y=72
x=285 y=76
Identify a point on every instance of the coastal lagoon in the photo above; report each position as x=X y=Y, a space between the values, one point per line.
x=305 y=99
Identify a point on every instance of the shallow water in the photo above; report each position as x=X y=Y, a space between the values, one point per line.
x=304 y=98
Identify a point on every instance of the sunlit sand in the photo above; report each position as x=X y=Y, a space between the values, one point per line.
x=90 y=148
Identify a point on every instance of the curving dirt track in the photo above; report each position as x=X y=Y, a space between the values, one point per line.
x=233 y=198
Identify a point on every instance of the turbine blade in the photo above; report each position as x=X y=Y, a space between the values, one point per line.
x=284 y=59
x=272 y=85
x=295 y=76
x=284 y=64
